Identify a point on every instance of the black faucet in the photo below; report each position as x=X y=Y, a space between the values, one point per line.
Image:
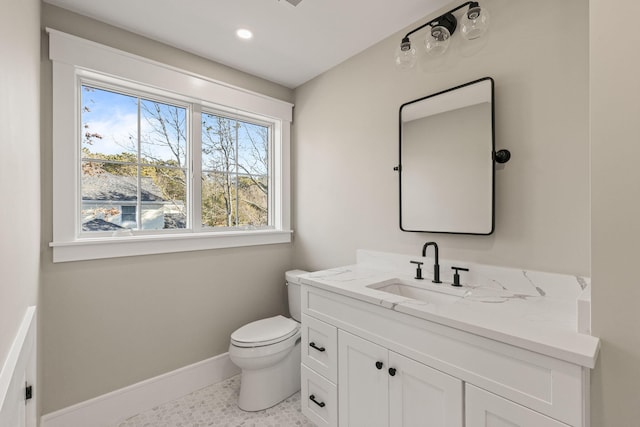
x=436 y=266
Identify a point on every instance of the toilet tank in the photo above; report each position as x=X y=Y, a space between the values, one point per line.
x=293 y=291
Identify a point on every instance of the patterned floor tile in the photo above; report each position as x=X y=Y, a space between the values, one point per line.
x=216 y=406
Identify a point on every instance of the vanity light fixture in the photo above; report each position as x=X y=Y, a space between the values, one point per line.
x=474 y=24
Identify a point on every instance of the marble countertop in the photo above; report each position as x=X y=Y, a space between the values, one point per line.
x=533 y=310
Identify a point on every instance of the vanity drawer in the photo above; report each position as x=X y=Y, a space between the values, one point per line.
x=320 y=347
x=319 y=398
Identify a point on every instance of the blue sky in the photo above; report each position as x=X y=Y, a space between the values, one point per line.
x=114 y=116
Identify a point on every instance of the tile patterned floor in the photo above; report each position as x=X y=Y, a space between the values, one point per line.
x=216 y=406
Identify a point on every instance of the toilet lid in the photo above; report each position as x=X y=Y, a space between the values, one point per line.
x=265 y=331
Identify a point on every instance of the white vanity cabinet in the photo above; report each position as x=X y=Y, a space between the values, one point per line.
x=443 y=376
x=378 y=387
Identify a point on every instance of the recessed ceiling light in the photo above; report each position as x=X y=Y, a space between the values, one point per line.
x=244 y=34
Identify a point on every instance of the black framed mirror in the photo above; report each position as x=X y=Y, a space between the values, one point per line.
x=446 y=165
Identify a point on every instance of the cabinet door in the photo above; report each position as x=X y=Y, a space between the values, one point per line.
x=484 y=409
x=423 y=396
x=363 y=393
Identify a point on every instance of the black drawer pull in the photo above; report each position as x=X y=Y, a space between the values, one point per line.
x=313 y=345
x=392 y=372
x=379 y=365
x=313 y=399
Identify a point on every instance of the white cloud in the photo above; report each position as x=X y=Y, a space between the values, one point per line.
x=115 y=131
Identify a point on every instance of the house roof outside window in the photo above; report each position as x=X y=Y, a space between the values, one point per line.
x=104 y=189
x=107 y=186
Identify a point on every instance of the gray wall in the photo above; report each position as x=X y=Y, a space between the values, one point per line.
x=19 y=165
x=110 y=323
x=346 y=144
x=545 y=61
x=615 y=209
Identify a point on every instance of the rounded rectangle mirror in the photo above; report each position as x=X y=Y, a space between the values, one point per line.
x=446 y=165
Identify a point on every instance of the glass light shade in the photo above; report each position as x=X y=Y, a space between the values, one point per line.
x=405 y=59
x=437 y=41
x=475 y=22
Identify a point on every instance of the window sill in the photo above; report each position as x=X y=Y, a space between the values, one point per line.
x=114 y=247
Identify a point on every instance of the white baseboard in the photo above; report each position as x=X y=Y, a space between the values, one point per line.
x=18 y=369
x=109 y=409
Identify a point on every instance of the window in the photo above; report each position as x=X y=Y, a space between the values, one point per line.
x=154 y=159
x=235 y=172
x=133 y=150
x=128 y=216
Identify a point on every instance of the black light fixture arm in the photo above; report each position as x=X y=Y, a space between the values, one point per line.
x=439 y=19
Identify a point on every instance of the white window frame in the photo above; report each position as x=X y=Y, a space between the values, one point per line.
x=74 y=58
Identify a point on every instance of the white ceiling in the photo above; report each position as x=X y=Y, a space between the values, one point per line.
x=291 y=45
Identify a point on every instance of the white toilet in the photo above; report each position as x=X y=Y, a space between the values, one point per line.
x=268 y=352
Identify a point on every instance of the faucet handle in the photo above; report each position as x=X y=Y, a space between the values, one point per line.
x=456 y=275
x=418 y=269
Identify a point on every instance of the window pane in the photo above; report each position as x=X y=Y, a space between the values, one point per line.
x=218 y=143
x=107 y=189
x=235 y=159
x=252 y=205
x=128 y=214
x=253 y=166
x=163 y=135
x=169 y=209
x=217 y=203
x=114 y=195
x=219 y=170
x=109 y=123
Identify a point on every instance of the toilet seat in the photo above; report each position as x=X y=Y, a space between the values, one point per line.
x=265 y=332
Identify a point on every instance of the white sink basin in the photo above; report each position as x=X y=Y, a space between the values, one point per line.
x=425 y=293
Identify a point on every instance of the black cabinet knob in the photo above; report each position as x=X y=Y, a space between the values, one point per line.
x=379 y=365
x=392 y=372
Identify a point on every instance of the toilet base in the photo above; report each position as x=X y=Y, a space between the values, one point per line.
x=263 y=388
